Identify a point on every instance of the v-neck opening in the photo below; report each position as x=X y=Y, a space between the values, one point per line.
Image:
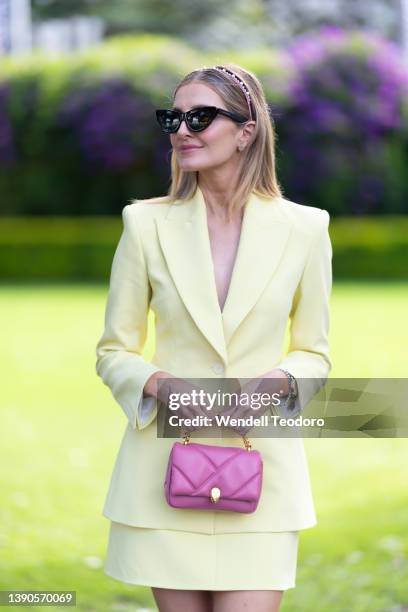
x=237 y=255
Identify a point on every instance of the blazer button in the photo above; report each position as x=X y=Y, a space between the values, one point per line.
x=218 y=368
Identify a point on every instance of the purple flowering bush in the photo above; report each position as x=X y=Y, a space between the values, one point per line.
x=7 y=143
x=106 y=130
x=81 y=145
x=342 y=128
x=110 y=124
x=18 y=141
x=78 y=135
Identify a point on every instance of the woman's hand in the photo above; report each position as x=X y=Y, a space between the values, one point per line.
x=239 y=411
x=176 y=387
x=272 y=382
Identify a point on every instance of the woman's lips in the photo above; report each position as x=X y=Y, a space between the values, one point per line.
x=189 y=148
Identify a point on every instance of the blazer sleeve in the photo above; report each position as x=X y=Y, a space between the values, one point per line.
x=119 y=362
x=308 y=354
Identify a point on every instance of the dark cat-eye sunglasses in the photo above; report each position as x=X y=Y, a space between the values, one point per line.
x=197 y=119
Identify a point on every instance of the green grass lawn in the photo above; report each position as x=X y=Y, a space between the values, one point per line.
x=61 y=430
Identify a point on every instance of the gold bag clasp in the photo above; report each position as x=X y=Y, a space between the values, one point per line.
x=215 y=494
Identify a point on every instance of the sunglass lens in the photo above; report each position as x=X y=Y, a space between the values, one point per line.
x=199 y=119
x=168 y=120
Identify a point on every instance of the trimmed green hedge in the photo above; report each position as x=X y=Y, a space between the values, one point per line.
x=70 y=249
x=370 y=247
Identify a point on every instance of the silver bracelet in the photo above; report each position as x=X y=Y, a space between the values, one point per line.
x=293 y=389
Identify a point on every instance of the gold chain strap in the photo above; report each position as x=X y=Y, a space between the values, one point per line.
x=248 y=445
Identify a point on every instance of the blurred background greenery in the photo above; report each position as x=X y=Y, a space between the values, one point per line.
x=78 y=141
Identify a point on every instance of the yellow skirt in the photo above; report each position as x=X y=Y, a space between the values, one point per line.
x=196 y=561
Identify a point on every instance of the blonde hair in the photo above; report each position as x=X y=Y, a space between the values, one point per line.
x=257 y=172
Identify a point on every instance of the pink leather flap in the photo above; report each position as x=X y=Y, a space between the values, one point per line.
x=196 y=468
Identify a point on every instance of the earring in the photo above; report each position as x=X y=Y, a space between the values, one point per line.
x=241 y=148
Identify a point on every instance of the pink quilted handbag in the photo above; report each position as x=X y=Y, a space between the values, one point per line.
x=206 y=477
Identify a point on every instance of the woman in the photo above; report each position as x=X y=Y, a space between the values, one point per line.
x=224 y=261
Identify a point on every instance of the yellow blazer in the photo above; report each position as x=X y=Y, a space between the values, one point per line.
x=163 y=261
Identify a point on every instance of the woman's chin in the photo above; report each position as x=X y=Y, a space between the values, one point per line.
x=190 y=167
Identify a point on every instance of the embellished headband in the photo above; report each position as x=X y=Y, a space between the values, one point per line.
x=234 y=77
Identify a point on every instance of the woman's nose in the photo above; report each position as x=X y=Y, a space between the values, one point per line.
x=183 y=129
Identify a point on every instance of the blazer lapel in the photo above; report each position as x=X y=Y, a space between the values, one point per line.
x=184 y=239
x=264 y=234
